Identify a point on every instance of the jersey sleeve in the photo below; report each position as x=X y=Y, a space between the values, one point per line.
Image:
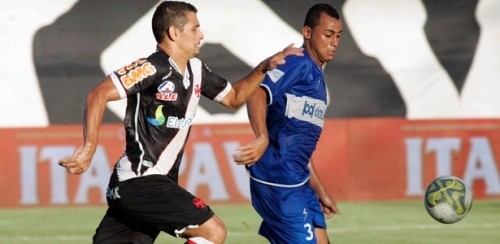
x=278 y=80
x=213 y=86
x=137 y=76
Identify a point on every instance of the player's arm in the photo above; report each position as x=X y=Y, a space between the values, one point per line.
x=243 y=88
x=93 y=112
x=256 y=108
x=328 y=205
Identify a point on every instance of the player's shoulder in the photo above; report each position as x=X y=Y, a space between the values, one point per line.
x=160 y=60
x=302 y=62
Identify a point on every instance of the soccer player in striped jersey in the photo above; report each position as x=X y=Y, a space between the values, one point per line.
x=162 y=92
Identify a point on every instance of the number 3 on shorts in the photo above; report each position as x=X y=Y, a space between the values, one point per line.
x=309 y=231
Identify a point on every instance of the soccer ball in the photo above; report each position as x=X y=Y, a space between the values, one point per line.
x=448 y=199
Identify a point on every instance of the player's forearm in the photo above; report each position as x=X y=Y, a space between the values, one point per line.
x=256 y=109
x=246 y=86
x=95 y=106
x=92 y=118
x=314 y=180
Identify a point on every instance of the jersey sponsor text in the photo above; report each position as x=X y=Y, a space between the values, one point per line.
x=306 y=109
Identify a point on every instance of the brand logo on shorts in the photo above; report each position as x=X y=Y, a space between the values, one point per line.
x=112 y=193
x=199 y=203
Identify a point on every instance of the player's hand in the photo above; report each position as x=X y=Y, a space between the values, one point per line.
x=279 y=58
x=79 y=162
x=249 y=154
x=328 y=206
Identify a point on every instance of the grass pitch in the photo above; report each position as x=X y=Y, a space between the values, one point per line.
x=359 y=222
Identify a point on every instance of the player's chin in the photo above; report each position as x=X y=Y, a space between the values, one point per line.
x=330 y=56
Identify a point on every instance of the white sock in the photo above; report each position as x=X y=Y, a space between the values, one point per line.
x=198 y=240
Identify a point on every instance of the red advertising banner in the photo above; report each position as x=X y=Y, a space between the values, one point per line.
x=357 y=159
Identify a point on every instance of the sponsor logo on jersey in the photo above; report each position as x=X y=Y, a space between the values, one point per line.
x=135 y=72
x=166 y=91
x=159 y=118
x=311 y=110
x=306 y=109
x=171 y=122
x=275 y=74
x=179 y=123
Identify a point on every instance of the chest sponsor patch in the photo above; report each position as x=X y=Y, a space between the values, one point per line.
x=166 y=91
x=306 y=109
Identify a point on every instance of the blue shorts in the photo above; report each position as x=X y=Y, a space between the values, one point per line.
x=290 y=214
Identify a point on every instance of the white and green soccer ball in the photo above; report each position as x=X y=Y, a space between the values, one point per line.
x=448 y=199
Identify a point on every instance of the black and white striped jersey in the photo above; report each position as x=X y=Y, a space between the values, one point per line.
x=161 y=106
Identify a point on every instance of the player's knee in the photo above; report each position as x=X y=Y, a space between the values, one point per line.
x=218 y=231
x=213 y=231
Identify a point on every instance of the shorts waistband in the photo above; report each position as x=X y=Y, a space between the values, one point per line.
x=279 y=185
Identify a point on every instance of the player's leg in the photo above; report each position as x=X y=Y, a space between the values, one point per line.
x=321 y=236
x=318 y=217
x=286 y=218
x=212 y=231
x=112 y=230
x=160 y=203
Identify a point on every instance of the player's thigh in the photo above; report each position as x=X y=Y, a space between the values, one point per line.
x=285 y=212
x=321 y=236
x=160 y=203
x=113 y=230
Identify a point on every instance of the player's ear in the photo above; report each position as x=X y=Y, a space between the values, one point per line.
x=172 y=33
x=307 y=32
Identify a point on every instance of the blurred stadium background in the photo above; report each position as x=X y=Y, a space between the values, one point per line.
x=414 y=93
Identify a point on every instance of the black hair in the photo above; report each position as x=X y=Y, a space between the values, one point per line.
x=314 y=13
x=168 y=14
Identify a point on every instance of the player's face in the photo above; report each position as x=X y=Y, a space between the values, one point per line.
x=191 y=36
x=324 y=39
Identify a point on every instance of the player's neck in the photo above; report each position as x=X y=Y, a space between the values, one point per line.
x=314 y=56
x=179 y=60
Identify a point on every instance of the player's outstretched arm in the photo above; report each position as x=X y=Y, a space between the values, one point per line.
x=246 y=86
x=256 y=109
x=93 y=112
x=328 y=205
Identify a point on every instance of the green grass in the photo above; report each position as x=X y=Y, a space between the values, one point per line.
x=359 y=222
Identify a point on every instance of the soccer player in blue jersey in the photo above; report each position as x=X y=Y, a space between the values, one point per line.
x=162 y=92
x=287 y=116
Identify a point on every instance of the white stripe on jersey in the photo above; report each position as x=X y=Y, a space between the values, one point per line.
x=141 y=157
x=118 y=85
x=306 y=108
x=169 y=155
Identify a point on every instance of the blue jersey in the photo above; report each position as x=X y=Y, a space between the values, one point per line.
x=297 y=102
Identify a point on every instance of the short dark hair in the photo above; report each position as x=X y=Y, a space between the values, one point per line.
x=314 y=14
x=170 y=13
